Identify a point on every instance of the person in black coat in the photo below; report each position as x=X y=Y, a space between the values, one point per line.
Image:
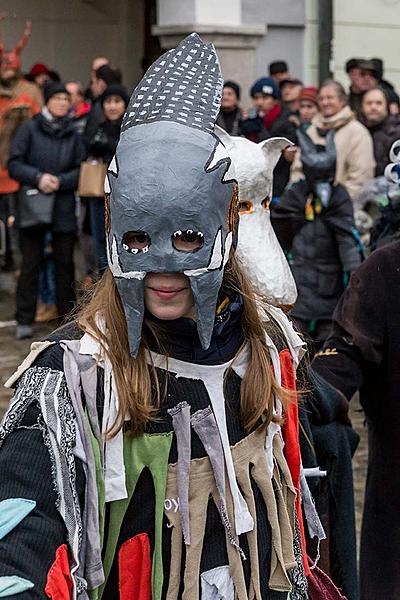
x=314 y=223
x=46 y=154
x=101 y=146
x=383 y=127
x=362 y=353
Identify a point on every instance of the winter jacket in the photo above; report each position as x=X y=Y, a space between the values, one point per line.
x=383 y=136
x=104 y=141
x=321 y=246
x=40 y=146
x=355 y=161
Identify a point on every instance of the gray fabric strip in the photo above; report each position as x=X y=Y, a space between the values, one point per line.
x=91 y=567
x=204 y=423
x=181 y=423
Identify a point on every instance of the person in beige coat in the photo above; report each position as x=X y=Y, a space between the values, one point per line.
x=355 y=161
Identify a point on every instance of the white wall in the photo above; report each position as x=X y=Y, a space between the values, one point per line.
x=67 y=34
x=362 y=28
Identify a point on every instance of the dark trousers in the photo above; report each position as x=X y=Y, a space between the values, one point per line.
x=31 y=243
x=5 y=212
x=98 y=226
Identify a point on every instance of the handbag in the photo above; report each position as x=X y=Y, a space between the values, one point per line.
x=34 y=207
x=91 y=179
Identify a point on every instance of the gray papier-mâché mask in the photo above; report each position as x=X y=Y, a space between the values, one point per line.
x=172 y=177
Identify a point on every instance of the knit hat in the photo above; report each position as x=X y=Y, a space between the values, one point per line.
x=38 y=69
x=234 y=86
x=309 y=94
x=266 y=86
x=53 y=88
x=115 y=90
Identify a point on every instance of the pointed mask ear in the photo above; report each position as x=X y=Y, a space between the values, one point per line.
x=306 y=144
x=224 y=137
x=330 y=146
x=273 y=149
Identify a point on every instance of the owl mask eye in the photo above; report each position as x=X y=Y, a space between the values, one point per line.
x=245 y=207
x=188 y=240
x=136 y=241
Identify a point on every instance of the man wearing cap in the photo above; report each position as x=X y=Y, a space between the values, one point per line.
x=266 y=109
x=230 y=115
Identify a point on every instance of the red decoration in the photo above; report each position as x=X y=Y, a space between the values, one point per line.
x=59 y=581
x=291 y=437
x=135 y=568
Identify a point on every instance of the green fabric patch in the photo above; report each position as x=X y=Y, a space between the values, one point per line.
x=151 y=451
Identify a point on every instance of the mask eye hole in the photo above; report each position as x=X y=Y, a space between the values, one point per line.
x=245 y=207
x=188 y=240
x=136 y=241
x=265 y=202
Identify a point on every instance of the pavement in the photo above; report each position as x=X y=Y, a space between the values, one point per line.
x=12 y=353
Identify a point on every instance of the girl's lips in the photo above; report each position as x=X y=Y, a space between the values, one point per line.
x=166 y=293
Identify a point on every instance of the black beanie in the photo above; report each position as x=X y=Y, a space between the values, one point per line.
x=52 y=88
x=115 y=90
x=234 y=86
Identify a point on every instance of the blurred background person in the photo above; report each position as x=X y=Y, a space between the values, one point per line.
x=290 y=90
x=355 y=163
x=383 y=127
x=308 y=106
x=278 y=70
x=388 y=88
x=39 y=74
x=97 y=62
x=285 y=126
x=114 y=101
x=104 y=76
x=19 y=100
x=356 y=89
x=258 y=120
x=80 y=107
x=230 y=115
x=46 y=154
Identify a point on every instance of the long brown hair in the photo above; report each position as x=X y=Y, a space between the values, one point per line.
x=136 y=381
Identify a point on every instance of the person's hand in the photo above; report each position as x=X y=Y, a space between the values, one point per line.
x=245 y=114
x=48 y=183
x=289 y=153
x=55 y=183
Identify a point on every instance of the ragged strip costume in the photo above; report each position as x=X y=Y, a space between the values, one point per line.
x=196 y=506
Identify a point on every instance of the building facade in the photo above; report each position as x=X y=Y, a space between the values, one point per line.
x=248 y=34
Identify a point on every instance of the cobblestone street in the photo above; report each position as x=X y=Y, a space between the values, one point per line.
x=12 y=353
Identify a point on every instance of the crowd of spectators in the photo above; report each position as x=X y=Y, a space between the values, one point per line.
x=48 y=128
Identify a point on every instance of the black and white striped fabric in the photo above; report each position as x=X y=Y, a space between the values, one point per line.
x=183 y=86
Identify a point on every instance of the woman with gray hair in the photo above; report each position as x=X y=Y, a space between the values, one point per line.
x=355 y=161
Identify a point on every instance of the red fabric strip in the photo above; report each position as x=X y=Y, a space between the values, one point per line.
x=59 y=580
x=292 y=445
x=135 y=569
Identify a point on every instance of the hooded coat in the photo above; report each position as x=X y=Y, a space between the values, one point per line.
x=320 y=244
